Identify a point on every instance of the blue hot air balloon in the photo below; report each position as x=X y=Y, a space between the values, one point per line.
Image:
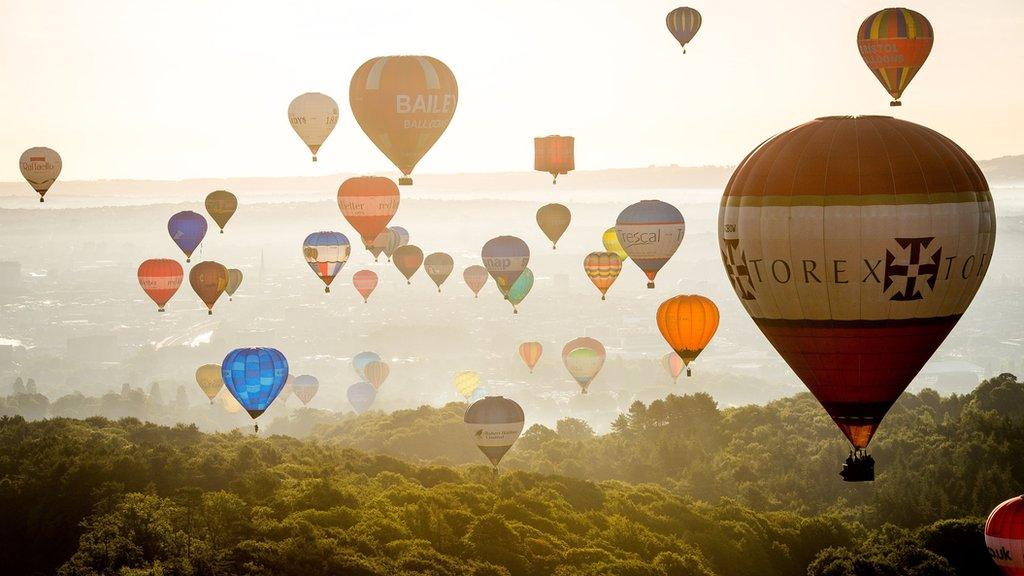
x=360 y=361
x=361 y=395
x=255 y=376
x=187 y=229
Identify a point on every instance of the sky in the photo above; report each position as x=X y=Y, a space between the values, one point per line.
x=191 y=88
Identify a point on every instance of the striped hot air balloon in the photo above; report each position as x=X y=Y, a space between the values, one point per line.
x=397 y=237
x=683 y=23
x=495 y=424
x=894 y=43
x=602 y=268
x=362 y=360
x=530 y=352
x=475 y=277
x=650 y=231
x=584 y=364
x=856 y=244
x=376 y=373
x=160 y=279
x=582 y=342
x=305 y=388
x=326 y=254
x=403 y=104
x=365 y=282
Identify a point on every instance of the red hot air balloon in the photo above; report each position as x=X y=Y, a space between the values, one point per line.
x=856 y=244
x=368 y=203
x=1004 y=536
x=160 y=279
x=554 y=155
x=365 y=282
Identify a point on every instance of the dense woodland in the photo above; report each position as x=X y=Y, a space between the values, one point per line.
x=679 y=487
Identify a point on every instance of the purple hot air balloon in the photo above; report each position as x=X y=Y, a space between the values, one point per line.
x=187 y=229
x=361 y=395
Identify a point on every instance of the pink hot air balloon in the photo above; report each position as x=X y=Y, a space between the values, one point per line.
x=365 y=281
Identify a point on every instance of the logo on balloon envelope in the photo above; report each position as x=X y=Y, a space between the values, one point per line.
x=910 y=266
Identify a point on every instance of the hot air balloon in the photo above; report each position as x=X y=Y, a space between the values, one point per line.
x=1004 y=536
x=553 y=220
x=475 y=277
x=466 y=382
x=688 y=322
x=361 y=360
x=522 y=286
x=610 y=239
x=365 y=282
x=221 y=206
x=40 y=167
x=160 y=280
x=582 y=342
x=494 y=424
x=403 y=104
x=505 y=258
x=530 y=353
x=584 y=364
x=438 y=267
x=894 y=44
x=602 y=268
x=210 y=381
x=376 y=373
x=208 y=280
x=313 y=116
x=397 y=237
x=187 y=229
x=683 y=23
x=326 y=254
x=858 y=277
x=408 y=259
x=234 y=281
x=305 y=388
x=361 y=396
x=254 y=376
x=379 y=244
x=673 y=364
x=554 y=155
x=650 y=231
x=368 y=203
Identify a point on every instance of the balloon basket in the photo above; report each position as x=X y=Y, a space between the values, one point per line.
x=650 y=285
x=895 y=103
x=209 y=312
x=327 y=289
x=689 y=373
x=41 y=199
x=859 y=467
x=405 y=181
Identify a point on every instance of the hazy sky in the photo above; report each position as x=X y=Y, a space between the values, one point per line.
x=192 y=88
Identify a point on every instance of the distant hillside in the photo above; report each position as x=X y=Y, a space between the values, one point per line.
x=1005 y=170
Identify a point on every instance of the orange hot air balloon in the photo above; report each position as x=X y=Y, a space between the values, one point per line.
x=554 y=155
x=408 y=259
x=368 y=203
x=403 y=104
x=857 y=256
x=530 y=353
x=221 y=206
x=683 y=23
x=688 y=322
x=376 y=373
x=365 y=282
x=209 y=280
x=160 y=280
x=602 y=268
x=553 y=220
x=475 y=277
x=894 y=44
x=438 y=267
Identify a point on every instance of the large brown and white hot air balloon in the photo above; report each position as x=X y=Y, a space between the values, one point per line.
x=856 y=244
x=494 y=423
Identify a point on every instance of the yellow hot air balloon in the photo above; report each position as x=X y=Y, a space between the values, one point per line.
x=438 y=266
x=688 y=322
x=209 y=379
x=602 y=268
x=583 y=364
x=466 y=382
x=221 y=206
x=610 y=239
x=209 y=280
x=40 y=167
x=553 y=220
x=234 y=281
x=313 y=116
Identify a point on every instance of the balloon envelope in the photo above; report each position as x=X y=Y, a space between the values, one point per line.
x=208 y=279
x=610 y=239
x=554 y=155
x=584 y=364
x=856 y=278
x=520 y=289
x=365 y=282
x=408 y=259
x=688 y=322
x=313 y=116
x=376 y=373
x=326 y=254
x=438 y=267
x=397 y=237
x=466 y=382
x=495 y=424
x=683 y=23
x=254 y=376
x=475 y=277
x=672 y=364
x=894 y=43
x=403 y=104
x=234 y=281
x=160 y=279
x=361 y=360
x=40 y=167
x=553 y=220
x=305 y=388
x=505 y=258
x=368 y=203
x=602 y=268
x=530 y=352
x=1004 y=536
x=582 y=342
x=650 y=231
x=210 y=381
x=361 y=396
x=221 y=206
x=187 y=229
